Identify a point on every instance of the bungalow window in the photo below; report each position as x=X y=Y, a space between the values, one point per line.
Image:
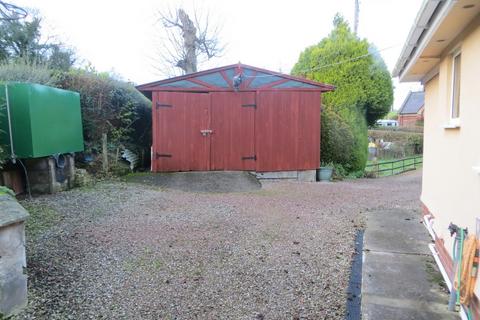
x=456 y=68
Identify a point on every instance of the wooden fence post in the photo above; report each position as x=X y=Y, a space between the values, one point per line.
x=104 y=153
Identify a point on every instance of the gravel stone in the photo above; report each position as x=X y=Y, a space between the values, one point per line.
x=133 y=251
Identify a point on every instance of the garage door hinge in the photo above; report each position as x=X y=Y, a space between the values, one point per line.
x=163 y=155
x=251 y=105
x=163 y=105
x=250 y=158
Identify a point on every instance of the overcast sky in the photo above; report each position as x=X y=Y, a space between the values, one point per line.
x=124 y=36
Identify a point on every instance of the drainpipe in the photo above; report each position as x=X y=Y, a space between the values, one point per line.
x=12 y=152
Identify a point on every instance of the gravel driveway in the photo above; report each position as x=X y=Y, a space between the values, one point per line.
x=131 y=251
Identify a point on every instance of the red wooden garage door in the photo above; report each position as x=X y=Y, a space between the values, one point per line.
x=287 y=131
x=178 y=121
x=233 y=125
x=203 y=131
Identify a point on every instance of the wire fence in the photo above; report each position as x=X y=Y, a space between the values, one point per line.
x=390 y=168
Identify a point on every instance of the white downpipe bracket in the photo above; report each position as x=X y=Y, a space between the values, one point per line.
x=428 y=225
x=12 y=152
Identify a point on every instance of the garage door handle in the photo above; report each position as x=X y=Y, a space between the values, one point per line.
x=206 y=132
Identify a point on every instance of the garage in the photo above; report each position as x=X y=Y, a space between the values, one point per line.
x=236 y=117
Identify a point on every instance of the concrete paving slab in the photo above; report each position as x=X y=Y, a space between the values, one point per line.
x=396 y=230
x=200 y=181
x=400 y=279
x=406 y=277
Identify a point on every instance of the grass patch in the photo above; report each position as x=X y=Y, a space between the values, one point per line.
x=134 y=176
x=6 y=191
x=40 y=220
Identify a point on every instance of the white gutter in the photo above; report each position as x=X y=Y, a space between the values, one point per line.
x=421 y=33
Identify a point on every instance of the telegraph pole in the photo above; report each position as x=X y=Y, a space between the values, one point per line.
x=357 y=13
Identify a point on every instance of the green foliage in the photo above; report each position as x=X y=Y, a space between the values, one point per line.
x=112 y=107
x=343 y=140
x=3 y=156
x=363 y=93
x=339 y=172
x=20 y=41
x=4 y=190
x=397 y=136
x=392 y=115
x=379 y=88
x=405 y=143
x=108 y=105
x=415 y=142
x=327 y=164
x=25 y=72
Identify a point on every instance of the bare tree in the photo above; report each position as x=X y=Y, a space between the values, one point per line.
x=10 y=11
x=188 y=42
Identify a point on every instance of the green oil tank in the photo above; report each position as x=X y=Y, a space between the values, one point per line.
x=43 y=120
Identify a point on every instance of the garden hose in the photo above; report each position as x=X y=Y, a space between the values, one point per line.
x=459 y=270
x=467 y=269
x=454 y=230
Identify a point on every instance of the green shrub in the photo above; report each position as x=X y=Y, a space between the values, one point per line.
x=356 y=174
x=392 y=115
x=393 y=135
x=415 y=142
x=3 y=157
x=363 y=92
x=28 y=73
x=109 y=106
x=343 y=140
x=339 y=172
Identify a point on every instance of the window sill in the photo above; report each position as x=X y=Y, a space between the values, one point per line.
x=452 y=125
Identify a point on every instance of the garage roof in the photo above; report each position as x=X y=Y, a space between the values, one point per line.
x=221 y=79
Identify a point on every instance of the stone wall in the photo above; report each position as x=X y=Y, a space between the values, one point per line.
x=13 y=279
x=302 y=175
x=45 y=176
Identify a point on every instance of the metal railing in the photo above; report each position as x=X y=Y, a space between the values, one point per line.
x=394 y=166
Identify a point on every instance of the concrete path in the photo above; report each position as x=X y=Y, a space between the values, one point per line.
x=201 y=181
x=400 y=279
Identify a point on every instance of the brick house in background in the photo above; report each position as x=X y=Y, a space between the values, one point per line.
x=411 y=112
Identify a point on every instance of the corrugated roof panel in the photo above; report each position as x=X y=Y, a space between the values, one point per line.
x=219 y=79
x=214 y=79
x=232 y=72
x=294 y=84
x=262 y=79
x=181 y=84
